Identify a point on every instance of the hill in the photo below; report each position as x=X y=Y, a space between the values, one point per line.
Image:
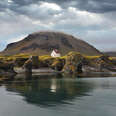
x=112 y=54
x=42 y=43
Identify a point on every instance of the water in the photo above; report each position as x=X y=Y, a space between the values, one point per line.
x=51 y=96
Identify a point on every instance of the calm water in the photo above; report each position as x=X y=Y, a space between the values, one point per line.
x=59 y=97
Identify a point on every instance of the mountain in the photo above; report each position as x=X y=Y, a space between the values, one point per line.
x=42 y=43
x=113 y=54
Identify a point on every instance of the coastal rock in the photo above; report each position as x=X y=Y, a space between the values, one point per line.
x=7 y=69
x=35 y=62
x=28 y=65
x=100 y=64
x=73 y=63
x=28 y=68
x=45 y=61
x=58 y=64
x=19 y=62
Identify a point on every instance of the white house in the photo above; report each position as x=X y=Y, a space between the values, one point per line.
x=55 y=53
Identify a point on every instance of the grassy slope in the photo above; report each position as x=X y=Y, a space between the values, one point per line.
x=47 y=57
x=44 y=57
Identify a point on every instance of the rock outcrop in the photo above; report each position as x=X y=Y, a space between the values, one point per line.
x=7 y=69
x=100 y=64
x=35 y=62
x=73 y=63
x=58 y=64
x=19 y=62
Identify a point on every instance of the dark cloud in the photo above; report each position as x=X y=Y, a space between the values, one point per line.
x=97 y=6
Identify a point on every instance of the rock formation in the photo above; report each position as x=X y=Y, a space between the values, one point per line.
x=73 y=63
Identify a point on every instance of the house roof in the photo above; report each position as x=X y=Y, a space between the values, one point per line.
x=56 y=51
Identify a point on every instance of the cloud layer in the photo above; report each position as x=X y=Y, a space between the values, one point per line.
x=91 y=20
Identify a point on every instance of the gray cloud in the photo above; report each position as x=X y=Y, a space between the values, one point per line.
x=92 y=20
x=97 y=6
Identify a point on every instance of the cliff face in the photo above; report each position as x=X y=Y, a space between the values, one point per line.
x=42 y=43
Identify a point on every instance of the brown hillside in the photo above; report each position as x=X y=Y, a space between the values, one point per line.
x=42 y=43
x=112 y=54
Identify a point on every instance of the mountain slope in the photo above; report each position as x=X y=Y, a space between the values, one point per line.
x=42 y=43
x=113 y=54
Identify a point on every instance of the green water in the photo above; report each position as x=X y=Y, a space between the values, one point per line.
x=59 y=97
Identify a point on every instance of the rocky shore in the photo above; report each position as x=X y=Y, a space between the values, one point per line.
x=73 y=63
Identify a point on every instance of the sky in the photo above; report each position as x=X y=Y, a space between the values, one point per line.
x=90 y=20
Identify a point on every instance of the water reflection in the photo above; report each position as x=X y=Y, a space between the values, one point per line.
x=51 y=91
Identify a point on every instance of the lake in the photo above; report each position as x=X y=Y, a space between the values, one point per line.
x=55 y=96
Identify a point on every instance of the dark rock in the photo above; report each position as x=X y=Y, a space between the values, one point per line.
x=58 y=64
x=35 y=62
x=19 y=62
x=73 y=63
x=7 y=68
x=100 y=64
x=28 y=65
x=47 y=62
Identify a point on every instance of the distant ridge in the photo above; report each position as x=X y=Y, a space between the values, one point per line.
x=42 y=43
x=113 y=54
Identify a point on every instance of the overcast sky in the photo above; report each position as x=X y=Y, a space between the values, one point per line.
x=93 y=21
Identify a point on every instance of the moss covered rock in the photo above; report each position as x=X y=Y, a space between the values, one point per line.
x=99 y=64
x=58 y=64
x=73 y=63
x=19 y=62
x=45 y=61
x=6 y=68
x=35 y=62
x=28 y=64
